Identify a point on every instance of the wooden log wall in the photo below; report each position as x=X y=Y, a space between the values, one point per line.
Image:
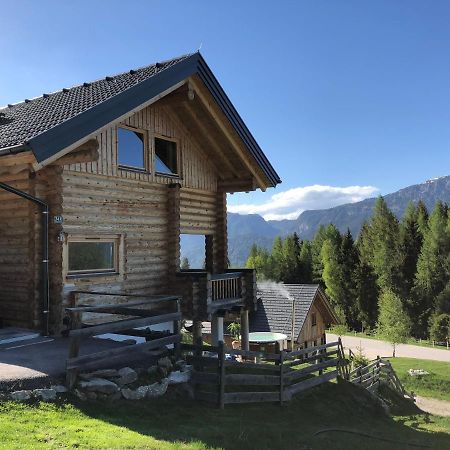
x=312 y=333
x=99 y=197
x=17 y=304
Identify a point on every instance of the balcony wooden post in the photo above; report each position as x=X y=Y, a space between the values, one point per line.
x=197 y=331
x=216 y=329
x=220 y=238
x=245 y=344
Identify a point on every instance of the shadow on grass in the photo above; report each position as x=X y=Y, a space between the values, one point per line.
x=332 y=416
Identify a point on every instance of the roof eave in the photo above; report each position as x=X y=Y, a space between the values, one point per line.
x=61 y=137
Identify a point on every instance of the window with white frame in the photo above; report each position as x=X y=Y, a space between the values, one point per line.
x=166 y=156
x=131 y=148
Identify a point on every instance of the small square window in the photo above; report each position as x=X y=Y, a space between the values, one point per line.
x=166 y=156
x=131 y=148
x=92 y=255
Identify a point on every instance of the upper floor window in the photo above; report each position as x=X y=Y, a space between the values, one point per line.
x=131 y=148
x=313 y=319
x=166 y=157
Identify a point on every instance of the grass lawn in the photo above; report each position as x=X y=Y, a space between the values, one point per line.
x=171 y=423
x=436 y=384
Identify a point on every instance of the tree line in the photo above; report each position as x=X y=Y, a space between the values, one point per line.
x=395 y=271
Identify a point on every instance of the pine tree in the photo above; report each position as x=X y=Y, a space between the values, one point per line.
x=185 y=264
x=422 y=217
x=410 y=246
x=291 y=251
x=385 y=261
x=350 y=260
x=393 y=323
x=367 y=289
x=432 y=272
x=305 y=263
x=316 y=248
x=278 y=261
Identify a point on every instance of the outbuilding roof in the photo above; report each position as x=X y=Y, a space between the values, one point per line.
x=278 y=303
x=52 y=122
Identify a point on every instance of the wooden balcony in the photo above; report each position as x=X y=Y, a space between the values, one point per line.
x=204 y=294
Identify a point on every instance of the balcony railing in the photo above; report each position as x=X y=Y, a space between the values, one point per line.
x=204 y=293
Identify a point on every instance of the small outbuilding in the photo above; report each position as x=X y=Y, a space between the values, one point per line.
x=300 y=311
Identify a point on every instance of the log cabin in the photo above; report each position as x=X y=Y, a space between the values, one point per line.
x=302 y=312
x=98 y=182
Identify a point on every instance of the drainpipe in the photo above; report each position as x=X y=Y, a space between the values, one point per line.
x=45 y=272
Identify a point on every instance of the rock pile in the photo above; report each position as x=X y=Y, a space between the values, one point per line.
x=113 y=384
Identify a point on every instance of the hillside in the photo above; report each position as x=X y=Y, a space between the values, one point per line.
x=244 y=230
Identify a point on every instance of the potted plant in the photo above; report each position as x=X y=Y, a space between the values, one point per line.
x=235 y=329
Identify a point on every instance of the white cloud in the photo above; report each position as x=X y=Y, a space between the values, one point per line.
x=289 y=204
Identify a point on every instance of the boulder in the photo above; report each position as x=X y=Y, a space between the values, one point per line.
x=153 y=370
x=91 y=395
x=20 y=396
x=104 y=373
x=46 y=395
x=136 y=394
x=128 y=341
x=126 y=376
x=165 y=363
x=80 y=394
x=178 y=377
x=99 y=385
x=59 y=388
x=157 y=389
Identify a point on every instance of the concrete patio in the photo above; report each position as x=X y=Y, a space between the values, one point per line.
x=33 y=362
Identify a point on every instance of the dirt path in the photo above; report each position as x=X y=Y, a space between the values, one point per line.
x=372 y=348
x=433 y=406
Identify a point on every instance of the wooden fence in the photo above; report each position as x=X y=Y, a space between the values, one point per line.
x=141 y=311
x=224 y=376
x=378 y=371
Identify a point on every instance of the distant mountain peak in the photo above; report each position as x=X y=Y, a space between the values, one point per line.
x=243 y=230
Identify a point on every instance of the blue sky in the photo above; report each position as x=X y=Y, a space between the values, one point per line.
x=352 y=96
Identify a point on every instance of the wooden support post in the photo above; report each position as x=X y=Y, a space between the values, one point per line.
x=216 y=329
x=221 y=356
x=197 y=333
x=282 y=353
x=245 y=343
x=173 y=230
x=74 y=349
x=220 y=241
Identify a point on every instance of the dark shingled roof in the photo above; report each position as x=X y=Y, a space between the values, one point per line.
x=25 y=120
x=53 y=122
x=275 y=307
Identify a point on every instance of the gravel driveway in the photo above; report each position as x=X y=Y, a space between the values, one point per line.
x=372 y=348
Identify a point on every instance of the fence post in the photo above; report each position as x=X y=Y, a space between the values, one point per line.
x=221 y=357
x=281 y=376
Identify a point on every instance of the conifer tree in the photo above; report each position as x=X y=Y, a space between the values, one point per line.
x=367 y=289
x=291 y=253
x=432 y=272
x=316 y=248
x=350 y=259
x=277 y=259
x=385 y=261
x=410 y=246
x=305 y=262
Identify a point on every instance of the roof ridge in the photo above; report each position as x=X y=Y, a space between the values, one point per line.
x=48 y=94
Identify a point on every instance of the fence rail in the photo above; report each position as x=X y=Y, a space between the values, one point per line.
x=140 y=313
x=225 y=376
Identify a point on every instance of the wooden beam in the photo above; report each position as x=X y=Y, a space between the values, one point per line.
x=17 y=159
x=236 y=185
x=207 y=104
x=200 y=124
x=87 y=152
x=14 y=170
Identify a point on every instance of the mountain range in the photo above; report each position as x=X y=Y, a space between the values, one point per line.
x=244 y=230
